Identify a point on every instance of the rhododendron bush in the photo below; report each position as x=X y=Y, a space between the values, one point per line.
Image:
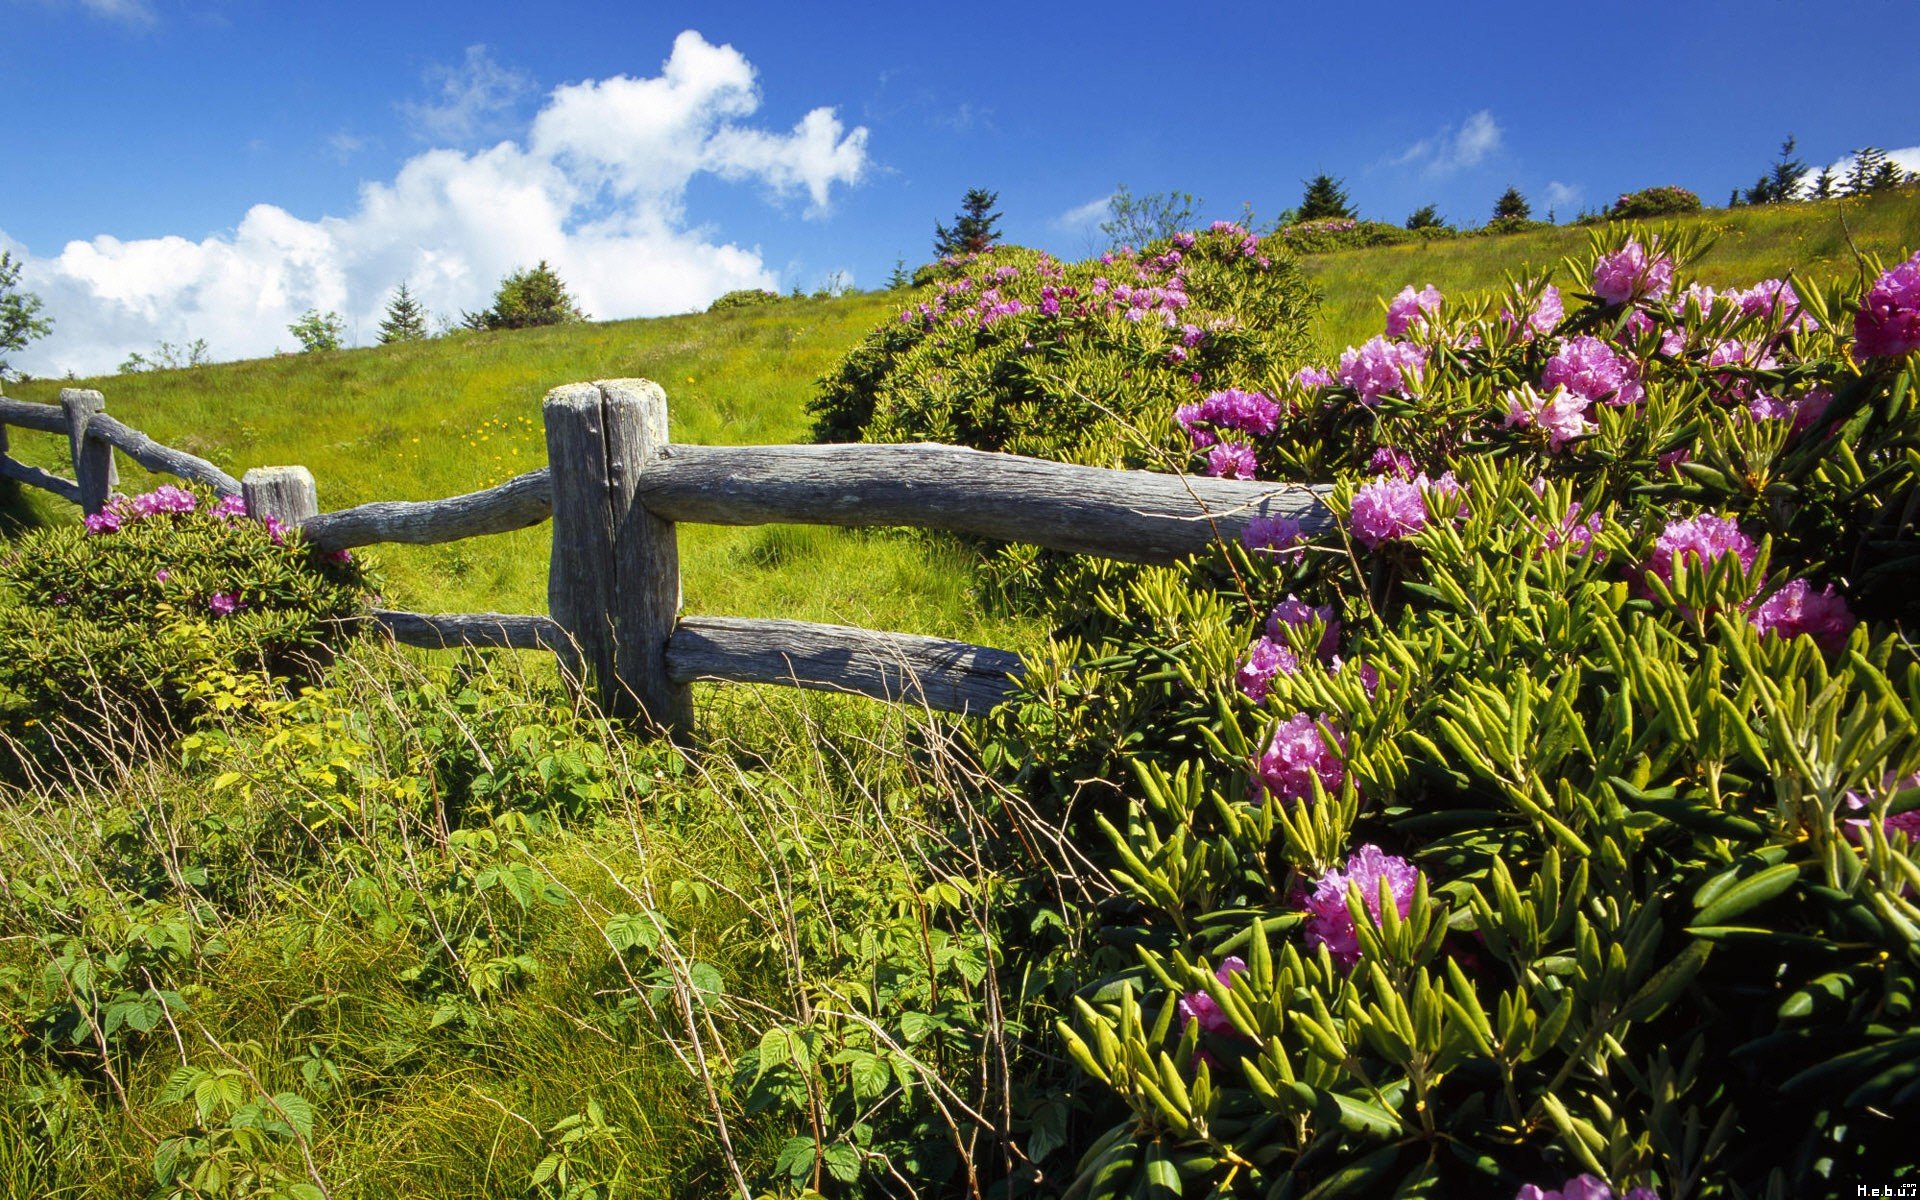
x=1543 y=826
x=105 y=626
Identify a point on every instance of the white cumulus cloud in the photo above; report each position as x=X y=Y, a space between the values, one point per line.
x=1085 y=216
x=597 y=189
x=1454 y=147
x=1562 y=197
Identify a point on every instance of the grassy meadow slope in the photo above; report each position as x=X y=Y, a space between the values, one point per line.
x=436 y=418
x=1810 y=240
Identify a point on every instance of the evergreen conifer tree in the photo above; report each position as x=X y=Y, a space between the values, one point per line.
x=1781 y=183
x=1324 y=198
x=973 y=229
x=406 y=319
x=1424 y=217
x=1871 y=171
x=1512 y=206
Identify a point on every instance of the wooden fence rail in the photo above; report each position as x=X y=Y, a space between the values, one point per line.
x=615 y=488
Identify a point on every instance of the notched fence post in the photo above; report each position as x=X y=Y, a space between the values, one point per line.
x=93 y=467
x=614 y=585
x=287 y=494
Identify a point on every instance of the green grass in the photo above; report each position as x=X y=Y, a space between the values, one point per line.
x=451 y=415
x=1810 y=240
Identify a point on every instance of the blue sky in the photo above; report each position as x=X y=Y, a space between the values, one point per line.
x=211 y=168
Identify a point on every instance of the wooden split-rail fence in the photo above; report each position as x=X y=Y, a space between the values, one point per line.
x=615 y=488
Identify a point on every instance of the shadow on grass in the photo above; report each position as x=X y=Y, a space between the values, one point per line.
x=16 y=515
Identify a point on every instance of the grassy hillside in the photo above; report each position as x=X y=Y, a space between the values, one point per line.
x=1810 y=240
x=436 y=418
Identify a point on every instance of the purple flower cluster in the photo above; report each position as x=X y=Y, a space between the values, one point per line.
x=1888 y=323
x=1302 y=749
x=1199 y=1007
x=1272 y=535
x=1582 y=1187
x=163 y=500
x=1330 y=921
x=1295 y=613
x=1630 y=273
x=1390 y=508
x=1588 y=367
x=1232 y=460
x=1328 y=225
x=1797 y=609
x=1908 y=823
x=1381 y=368
x=1561 y=413
x=225 y=604
x=1265 y=659
x=1542 y=318
x=1411 y=308
x=1232 y=410
x=1698 y=542
x=1313 y=377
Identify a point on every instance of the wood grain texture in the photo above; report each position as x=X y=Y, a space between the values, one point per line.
x=20 y=472
x=47 y=418
x=287 y=494
x=942 y=675
x=93 y=468
x=1138 y=516
x=439 y=631
x=580 y=573
x=645 y=602
x=160 y=458
x=521 y=501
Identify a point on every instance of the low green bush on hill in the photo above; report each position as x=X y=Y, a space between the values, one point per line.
x=743 y=298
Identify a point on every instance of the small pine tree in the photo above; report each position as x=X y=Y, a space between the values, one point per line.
x=899 y=278
x=318 y=331
x=1824 y=185
x=973 y=229
x=1425 y=217
x=1324 y=198
x=527 y=298
x=406 y=319
x=1871 y=171
x=1512 y=206
x=1781 y=183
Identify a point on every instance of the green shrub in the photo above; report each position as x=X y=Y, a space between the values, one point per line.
x=1019 y=352
x=1648 y=203
x=104 y=628
x=1346 y=233
x=1579 y=685
x=743 y=298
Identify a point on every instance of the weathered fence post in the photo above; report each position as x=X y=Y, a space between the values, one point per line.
x=615 y=580
x=93 y=466
x=287 y=494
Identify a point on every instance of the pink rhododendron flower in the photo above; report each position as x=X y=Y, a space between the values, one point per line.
x=1888 y=322
x=1630 y=274
x=1231 y=460
x=1200 y=1007
x=1582 y=1187
x=1796 y=609
x=1575 y=532
x=1330 y=922
x=230 y=507
x=107 y=520
x=1388 y=508
x=1561 y=413
x=1855 y=828
x=1313 y=377
x=1380 y=368
x=1272 y=535
x=1298 y=753
x=1386 y=460
x=164 y=499
x=1804 y=411
x=1409 y=308
x=1546 y=314
x=1777 y=300
x=224 y=604
x=1265 y=659
x=1587 y=366
x=1295 y=613
x=1698 y=541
